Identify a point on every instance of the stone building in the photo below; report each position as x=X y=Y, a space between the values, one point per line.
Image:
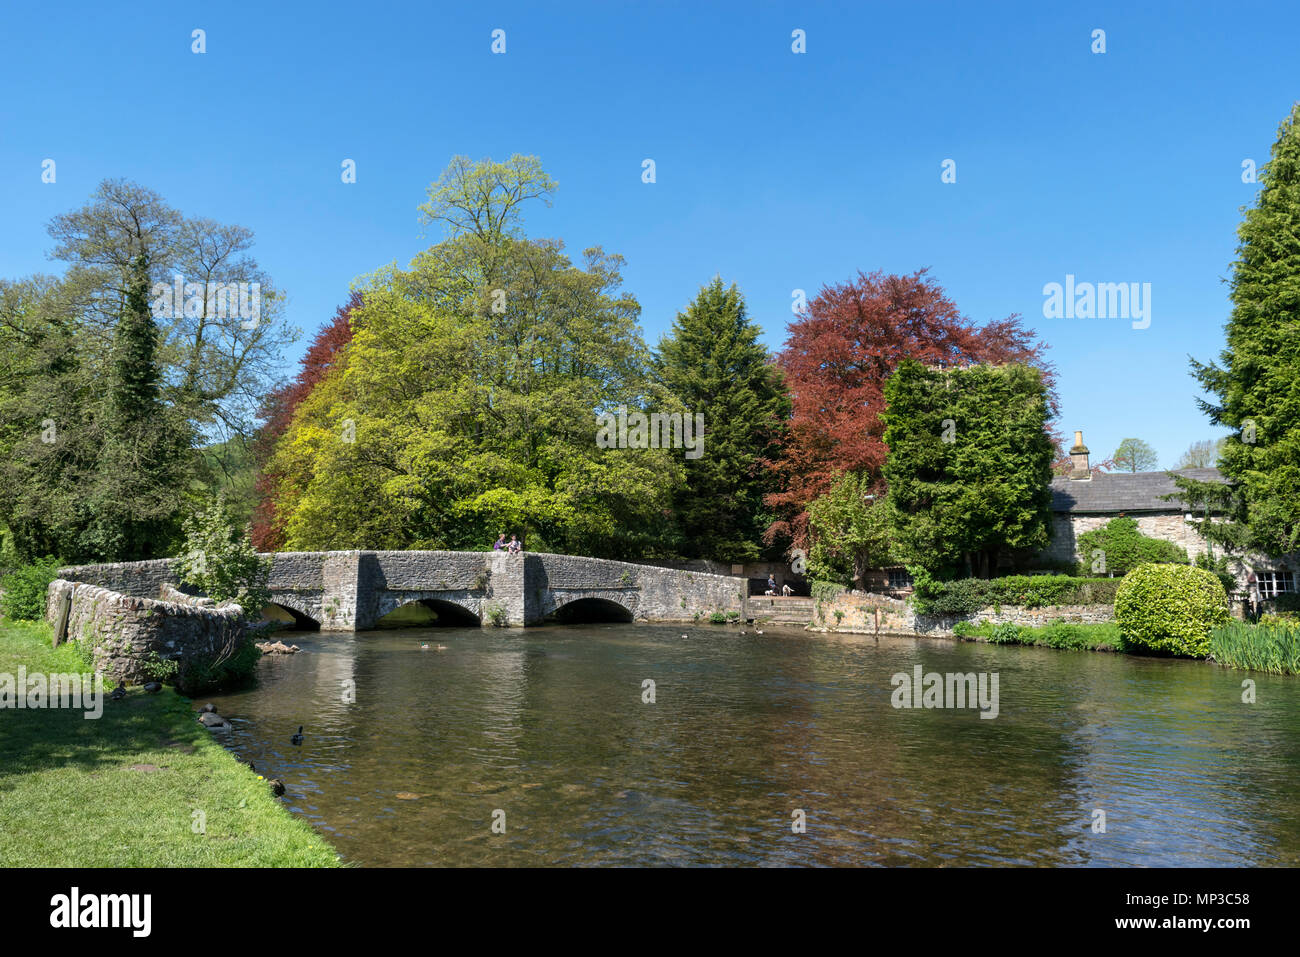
x=1084 y=500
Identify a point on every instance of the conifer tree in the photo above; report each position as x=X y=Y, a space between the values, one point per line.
x=713 y=363
x=1257 y=387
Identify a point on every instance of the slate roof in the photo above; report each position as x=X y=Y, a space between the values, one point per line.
x=1108 y=492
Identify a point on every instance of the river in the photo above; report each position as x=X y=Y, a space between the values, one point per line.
x=410 y=756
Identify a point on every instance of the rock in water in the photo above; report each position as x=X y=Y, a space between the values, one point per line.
x=214 y=721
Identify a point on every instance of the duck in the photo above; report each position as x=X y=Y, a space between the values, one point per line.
x=297 y=738
x=758 y=631
x=118 y=693
x=442 y=647
x=424 y=646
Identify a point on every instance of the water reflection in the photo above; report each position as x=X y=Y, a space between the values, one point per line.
x=548 y=725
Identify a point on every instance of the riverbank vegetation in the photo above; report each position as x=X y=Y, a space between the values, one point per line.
x=1101 y=636
x=1272 y=646
x=931 y=596
x=145 y=785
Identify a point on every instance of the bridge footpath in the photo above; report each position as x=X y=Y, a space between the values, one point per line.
x=352 y=590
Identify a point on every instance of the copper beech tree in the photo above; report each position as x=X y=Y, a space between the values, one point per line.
x=836 y=360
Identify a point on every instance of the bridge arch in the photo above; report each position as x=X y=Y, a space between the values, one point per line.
x=427 y=612
x=288 y=611
x=591 y=609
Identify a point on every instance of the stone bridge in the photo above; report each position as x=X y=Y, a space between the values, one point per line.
x=352 y=591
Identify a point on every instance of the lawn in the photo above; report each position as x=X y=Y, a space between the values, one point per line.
x=143 y=786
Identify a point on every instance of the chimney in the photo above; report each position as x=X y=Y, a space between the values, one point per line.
x=1079 y=471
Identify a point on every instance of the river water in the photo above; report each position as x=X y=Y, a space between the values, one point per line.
x=410 y=755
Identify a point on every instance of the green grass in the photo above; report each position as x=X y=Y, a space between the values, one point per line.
x=69 y=796
x=1071 y=637
x=1274 y=648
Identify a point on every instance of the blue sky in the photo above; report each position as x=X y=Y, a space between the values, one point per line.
x=775 y=170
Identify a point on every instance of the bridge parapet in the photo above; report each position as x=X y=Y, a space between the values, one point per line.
x=352 y=590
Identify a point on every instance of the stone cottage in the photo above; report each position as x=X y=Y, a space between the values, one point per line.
x=1084 y=500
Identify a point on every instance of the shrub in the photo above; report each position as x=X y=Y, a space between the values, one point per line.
x=1125 y=548
x=221 y=562
x=1007 y=633
x=826 y=591
x=966 y=595
x=196 y=678
x=1274 y=648
x=25 y=589
x=1170 y=609
x=718 y=618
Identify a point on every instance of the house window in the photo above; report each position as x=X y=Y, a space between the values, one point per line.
x=899 y=578
x=1272 y=584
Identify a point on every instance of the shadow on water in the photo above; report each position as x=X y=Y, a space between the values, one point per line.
x=410 y=752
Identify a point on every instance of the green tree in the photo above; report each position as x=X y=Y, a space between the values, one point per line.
x=851 y=531
x=1256 y=388
x=467 y=404
x=713 y=364
x=1135 y=455
x=218 y=559
x=143 y=467
x=106 y=385
x=969 y=464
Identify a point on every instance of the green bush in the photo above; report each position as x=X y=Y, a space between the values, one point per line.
x=966 y=595
x=1170 y=609
x=1126 y=548
x=1006 y=633
x=1274 y=648
x=194 y=678
x=718 y=618
x=25 y=589
x=827 y=591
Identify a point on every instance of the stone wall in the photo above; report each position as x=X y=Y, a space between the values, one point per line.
x=139 y=579
x=132 y=636
x=864 y=613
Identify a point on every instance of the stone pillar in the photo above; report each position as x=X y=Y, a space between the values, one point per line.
x=340 y=578
x=506 y=588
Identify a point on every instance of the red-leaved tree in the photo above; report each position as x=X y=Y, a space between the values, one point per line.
x=324 y=353
x=836 y=360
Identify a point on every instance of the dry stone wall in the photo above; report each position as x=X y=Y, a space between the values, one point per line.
x=136 y=639
x=870 y=614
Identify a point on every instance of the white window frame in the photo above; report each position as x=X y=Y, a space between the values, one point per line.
x=1275 y=581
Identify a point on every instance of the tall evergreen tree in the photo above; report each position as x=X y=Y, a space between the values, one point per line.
x=1258 y=384
x=143 y=467
x=713 y=363
x=970 y=464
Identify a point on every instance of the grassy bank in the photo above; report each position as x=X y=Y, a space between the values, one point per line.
x=122 y=791
x=1098 y=637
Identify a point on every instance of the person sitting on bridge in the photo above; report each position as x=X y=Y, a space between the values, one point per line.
x=500 y=544
x=771 y=585
x=515 y=546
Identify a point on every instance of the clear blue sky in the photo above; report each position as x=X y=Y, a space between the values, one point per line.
x=776 y=170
